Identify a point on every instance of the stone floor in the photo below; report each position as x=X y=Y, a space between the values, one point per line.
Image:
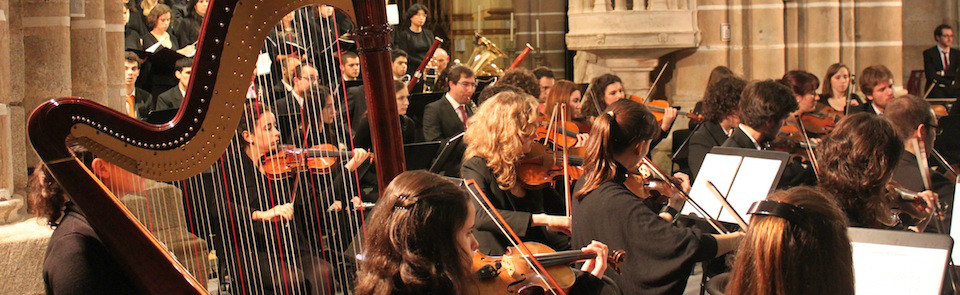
x=22 y=247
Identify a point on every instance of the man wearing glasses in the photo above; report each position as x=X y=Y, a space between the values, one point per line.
x=940 y=65
x=914 y=121
x=446 y=118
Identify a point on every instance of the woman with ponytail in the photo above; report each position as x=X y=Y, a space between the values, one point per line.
x=661 y=254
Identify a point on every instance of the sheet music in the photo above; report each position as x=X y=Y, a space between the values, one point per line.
x=153 y=48
x=893 y=269
x=753 y=182
x=719 y=169
x=955 y=222
x=263 y=64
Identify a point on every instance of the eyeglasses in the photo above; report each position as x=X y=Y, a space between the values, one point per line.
x=936 y=129
x=467 y=84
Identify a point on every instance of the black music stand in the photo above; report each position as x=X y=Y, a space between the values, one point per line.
x=420 y=155
x=743 y=176
x=448 y=158
x=482 y=82
x=161 y=116
x=419 y=101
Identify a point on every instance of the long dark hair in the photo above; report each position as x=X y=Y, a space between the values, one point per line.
x=722 y=98
x=625 y=123
x=252 y=111
x=800 y=82
x=826 y=88
x=717 y=74
x=46 y=198
x=859 y=157
x=411 y=243
x=593 y=102
x=811 y=255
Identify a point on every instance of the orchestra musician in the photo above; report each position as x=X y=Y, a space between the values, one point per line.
x=941 y=64
x=607 y=89
x=800 y=250
x=718 y=73
x=913 y=119
x=564 y=91
x=876 y=82
x=524 y=79
x=720 y=118
x=546 y=80
x=420 y=240
x=414 y=38
x=862 y=153
x=362 y=139
x=445 y=118
x=500 y=134
x=764 y=108
x=836 y=84
x=76 y=261
x=804 y=86
x=661 y=254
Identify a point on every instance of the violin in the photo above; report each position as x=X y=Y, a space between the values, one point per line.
x=510 y=273
x=289 y=160
x=653 y=192
x=560 y=135
x=658 y=107
x=822 y=121
x=541 y=166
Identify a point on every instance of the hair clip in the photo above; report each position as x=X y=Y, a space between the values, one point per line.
x=612 y=115
x=401 y=198
x=786 y=211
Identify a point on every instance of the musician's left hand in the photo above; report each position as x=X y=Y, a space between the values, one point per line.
x=598 y=265
x=336 y=206
x=669 y=115
x=359 y=156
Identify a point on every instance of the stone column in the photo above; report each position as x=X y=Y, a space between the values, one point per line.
x=46 y=54
x=88 y=53
x=113 y=17
x=6 y=145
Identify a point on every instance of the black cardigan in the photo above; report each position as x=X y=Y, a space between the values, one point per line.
x=660 y=255
x=516 y=210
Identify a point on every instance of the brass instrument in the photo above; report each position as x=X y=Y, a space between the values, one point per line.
x=481 y=60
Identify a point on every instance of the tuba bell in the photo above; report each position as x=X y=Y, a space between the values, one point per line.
x=481 y=61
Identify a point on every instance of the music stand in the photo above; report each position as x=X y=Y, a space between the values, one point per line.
x=419 y=101
x=161 y=116
x=420 y=155
x=743 y=176
x=898 y=262
x=482 y=82
x=443 y=158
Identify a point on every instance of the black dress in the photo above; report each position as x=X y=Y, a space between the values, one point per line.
x=415 y=44
x=517 y=211
x=77 y=262
x=660 y=255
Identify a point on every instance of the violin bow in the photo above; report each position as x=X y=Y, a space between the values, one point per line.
x=511 y=235
x=566 y=163
x=943 y=161
x=809 y=148
x=726 y=205
x=712 y=221
x=646 y=98
x=850 y=91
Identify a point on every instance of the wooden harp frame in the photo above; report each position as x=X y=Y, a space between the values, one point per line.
x=230 y=39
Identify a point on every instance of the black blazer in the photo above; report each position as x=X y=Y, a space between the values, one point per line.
x=794 y=174
x=356 y=105
x=515 y=210
x=708 y=136
x=440 y=120
x=169 y=99
x=907 y=174
x=867 y=107
x=143 y=102
x=933 y=63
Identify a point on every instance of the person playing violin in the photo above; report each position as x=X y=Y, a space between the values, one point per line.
x=913 y=119
x=720 y=118
x=862 y=153
x=420 y=240
x=661 y=255
x=362 y=139
x=836 y=85
x=566 y=92
x=609 y=87
x=803 y=253
x=763 y=109
x=500 y=134
x=876 y=82
x=804 y=86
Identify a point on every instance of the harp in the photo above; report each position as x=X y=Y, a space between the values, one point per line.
x=196 y=140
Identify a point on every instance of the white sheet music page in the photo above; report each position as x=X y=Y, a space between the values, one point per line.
x=753 y=182
x=955 y=223
x=719 y=169
x=892 y=269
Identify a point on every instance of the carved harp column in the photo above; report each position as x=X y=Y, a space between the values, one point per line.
x=230 y=40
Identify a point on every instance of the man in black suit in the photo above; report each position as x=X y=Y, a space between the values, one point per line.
x=172 y=98
x=764 y=107
x=940 y=64
x=446 y=118
x=301 y=102
x=720 y=118
x=876 y=82
x=914 y=121
x=137 y=102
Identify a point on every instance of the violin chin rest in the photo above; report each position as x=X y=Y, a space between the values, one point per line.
x=488 y=272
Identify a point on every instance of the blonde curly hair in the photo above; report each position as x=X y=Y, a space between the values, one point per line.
x=497 y=131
